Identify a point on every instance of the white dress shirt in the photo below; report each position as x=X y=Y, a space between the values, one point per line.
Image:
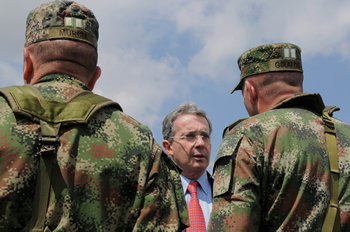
x=204 y=194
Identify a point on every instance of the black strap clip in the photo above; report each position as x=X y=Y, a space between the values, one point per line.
x=327 y=121
x=49 y=141
x=330 y=125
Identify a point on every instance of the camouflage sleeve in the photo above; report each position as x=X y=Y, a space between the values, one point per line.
x=236 y=187
x=164 y=207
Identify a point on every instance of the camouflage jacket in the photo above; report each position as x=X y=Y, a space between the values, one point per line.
x=272 y=171
x=109 y=175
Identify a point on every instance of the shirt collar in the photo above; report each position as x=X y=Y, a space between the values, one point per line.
x=202 y=180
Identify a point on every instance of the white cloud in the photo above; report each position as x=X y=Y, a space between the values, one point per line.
x=318 y=27
x=228 y=28
x=140 y=84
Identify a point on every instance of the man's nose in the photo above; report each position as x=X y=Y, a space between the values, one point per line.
x=199 y=141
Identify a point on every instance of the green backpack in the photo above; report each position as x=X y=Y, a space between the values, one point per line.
x=28 y=102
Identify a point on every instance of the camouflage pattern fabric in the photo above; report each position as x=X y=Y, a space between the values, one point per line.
x=272 y=171
x=61 y=20
x=269 y=58
x=109 y=175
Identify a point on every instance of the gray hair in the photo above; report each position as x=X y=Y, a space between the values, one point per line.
x=185 y=108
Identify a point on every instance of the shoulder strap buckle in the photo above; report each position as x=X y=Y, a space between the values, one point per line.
x=328 y=123
x=327 y=120
x=49 y=141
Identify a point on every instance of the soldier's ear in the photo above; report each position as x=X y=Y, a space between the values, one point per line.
x=94 y=78
x=167 y=147
x=27 y=67
x=251 y=91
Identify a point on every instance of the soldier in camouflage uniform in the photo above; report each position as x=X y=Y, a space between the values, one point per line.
x=272 y=170
x=109 y=174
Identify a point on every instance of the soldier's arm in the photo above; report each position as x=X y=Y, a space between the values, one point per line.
x=236 y=187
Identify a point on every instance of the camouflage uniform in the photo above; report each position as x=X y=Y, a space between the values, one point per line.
x=272 y=171
x=110 y=175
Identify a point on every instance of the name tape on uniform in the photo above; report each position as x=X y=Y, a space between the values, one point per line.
x=285 y=65
x=71 y=33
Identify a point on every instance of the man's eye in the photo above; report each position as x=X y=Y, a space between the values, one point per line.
x=205 y=135
x=191 y=136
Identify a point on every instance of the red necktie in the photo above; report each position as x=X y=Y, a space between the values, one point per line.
x=195 y=211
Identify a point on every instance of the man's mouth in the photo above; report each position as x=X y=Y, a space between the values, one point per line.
x=199 y=156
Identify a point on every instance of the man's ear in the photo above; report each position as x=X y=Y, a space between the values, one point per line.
x=27 y=67
x=251 y=91
x=94 y=78
x=167 y=147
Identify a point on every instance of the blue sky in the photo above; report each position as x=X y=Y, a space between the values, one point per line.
x=157 y=54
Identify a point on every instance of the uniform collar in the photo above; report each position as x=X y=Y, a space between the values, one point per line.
x=62 y=78
x=310 y=101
